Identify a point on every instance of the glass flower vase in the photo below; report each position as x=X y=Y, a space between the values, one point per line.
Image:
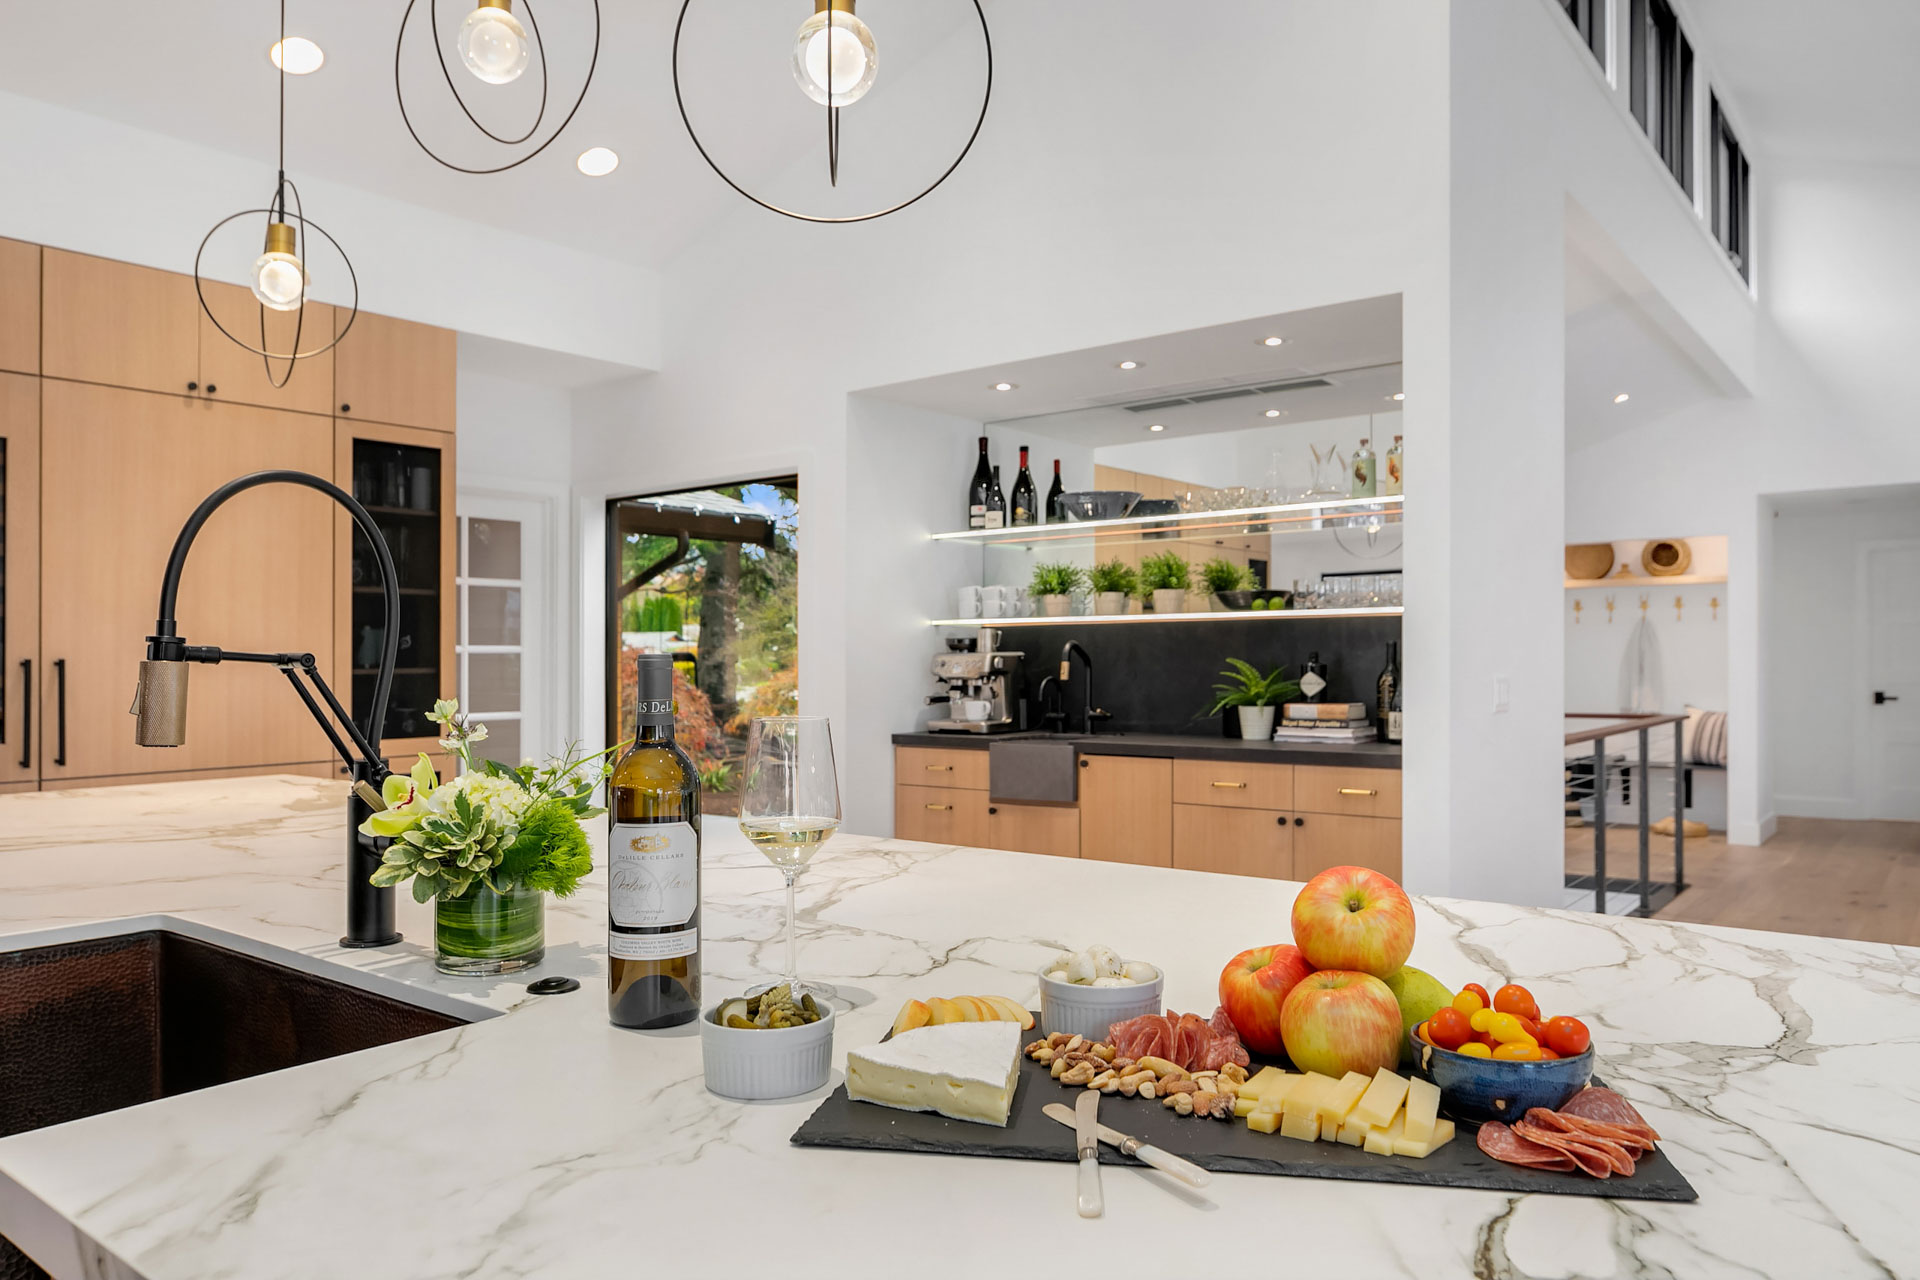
x=481 y=932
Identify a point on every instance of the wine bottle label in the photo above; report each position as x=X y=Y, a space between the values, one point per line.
x=1312 y=684
x=653 y=946
x=996 y=520
x=1393 y=726
x=653 y=876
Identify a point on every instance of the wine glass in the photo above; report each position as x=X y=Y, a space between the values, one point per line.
x=790 y=804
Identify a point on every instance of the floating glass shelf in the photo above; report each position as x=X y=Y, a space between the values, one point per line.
x=1289 y=517
x=1233 y=615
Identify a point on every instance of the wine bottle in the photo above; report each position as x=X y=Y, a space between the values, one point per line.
x=977 y=490
x=1388 y=682
x=1055 y=511
x=1393 y=715
x=1363 y=477
x=1313 y=678
x=653 y=867
x=1026 y=499
x=1393 y=476
x=996 y=502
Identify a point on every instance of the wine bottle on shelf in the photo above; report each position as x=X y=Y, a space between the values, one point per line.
x=1363 y=477
x=1388 y=682
x=1393 y=715
x=1026 y=498
x=653 y=867
x=1313 y=678
x=1055 y=511
x=996 y=502
x=977 y=490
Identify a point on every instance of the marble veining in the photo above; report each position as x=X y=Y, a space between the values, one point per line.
x=1783 y=1071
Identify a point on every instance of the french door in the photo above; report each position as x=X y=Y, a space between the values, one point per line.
x=505 y=612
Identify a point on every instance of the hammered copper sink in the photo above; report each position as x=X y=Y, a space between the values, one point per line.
x=92 y=1026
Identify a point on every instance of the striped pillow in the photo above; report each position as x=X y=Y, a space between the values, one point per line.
x=1706 y=737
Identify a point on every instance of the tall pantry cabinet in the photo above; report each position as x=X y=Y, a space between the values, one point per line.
x=121 y=407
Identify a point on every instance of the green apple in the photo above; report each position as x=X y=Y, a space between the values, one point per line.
x=1420 y=995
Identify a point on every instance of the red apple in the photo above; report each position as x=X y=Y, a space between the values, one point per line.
x=1353 y=918
x=1254 y=986
x=1337 y=1021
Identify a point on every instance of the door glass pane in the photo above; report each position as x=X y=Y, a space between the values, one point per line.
x=503 y=742
x=493 y=550
x=493 y=682
x=493 y=615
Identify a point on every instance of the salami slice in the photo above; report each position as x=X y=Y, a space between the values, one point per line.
x=1597 y=1103
x=1585 y=1158
x=1637 y=1139
x=1503 y=1144
x=1614 y=1152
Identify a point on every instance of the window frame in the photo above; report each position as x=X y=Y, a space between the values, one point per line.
x=1730 y=191
x=1661 y=85
x=1589 y=19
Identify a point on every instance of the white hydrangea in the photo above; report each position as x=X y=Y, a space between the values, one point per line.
x=504 y=800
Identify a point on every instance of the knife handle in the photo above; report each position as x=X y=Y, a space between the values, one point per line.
x=1185 y=1170
x=1091 y=1204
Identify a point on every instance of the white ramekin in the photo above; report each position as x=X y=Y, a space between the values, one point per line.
x=765 y=1063
x=1089 y=1011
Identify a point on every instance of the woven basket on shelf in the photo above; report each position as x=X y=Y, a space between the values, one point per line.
x=1589 y=560
x=1666 y=557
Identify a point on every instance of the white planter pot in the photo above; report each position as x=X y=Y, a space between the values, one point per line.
x=1056 y=606
x=1170 y=600
x=1110 y=602
x=1256 y=723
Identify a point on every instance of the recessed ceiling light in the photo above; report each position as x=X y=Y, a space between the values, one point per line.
x=1622 y=398
x=1003 y=386
x=1271 y=342
x=597 y=162
x=1156 y=427
x=1129 y=364
x=302 y=56
x=1273 y=413
x=1398 y=395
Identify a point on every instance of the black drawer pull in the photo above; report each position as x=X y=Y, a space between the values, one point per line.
x=26 y=713
x=60 y=712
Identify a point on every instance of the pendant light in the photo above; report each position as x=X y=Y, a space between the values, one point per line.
x=835 y=62
x=278 y=276
x=496 y=49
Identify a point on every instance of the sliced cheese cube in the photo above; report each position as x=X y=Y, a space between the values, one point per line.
x=1382 y=1098
x=963 y=1070
x=1420 y=1150
x=1344 y=1097
x=1380 y=1141
x=1261 y=1080
x=1329 y=1128
x=1423 y=1108
x=1244 y=1106
x=1304 y=1125
x=1264 y=1121
x=1275 y=1093
x=1310 y=1093
x=1353 y=1133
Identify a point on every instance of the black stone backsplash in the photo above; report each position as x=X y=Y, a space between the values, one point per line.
x=1158 y=677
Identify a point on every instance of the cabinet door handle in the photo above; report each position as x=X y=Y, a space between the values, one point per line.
x=1084 y=763
x=345 y=408
x=992 y=810
x=939 y=807
x=1231 y=786
x=939 y=768
x=1299 y=822
x=1358 y=791
x=60 y=712
x=26 y=713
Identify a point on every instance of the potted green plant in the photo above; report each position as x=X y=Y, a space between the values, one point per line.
x=1054 y=584
x=1230 y=584
x=1112 y=583
x=1164 y=579
x=1253 y=696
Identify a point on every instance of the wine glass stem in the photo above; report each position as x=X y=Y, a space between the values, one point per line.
x=793 y=959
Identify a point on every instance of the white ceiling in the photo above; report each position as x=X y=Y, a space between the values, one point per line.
x=1614 y=347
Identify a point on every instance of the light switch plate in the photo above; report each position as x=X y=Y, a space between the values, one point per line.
x=1501 y=695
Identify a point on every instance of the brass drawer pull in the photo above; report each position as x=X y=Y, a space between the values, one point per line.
x=1358 y=791
x=939 y=768
x=939 y=806
x=1237 y=786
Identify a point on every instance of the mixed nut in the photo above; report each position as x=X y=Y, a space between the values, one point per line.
x=1092 y=1064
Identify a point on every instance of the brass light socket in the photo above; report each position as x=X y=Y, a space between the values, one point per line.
x=843 y=6
x=496 y=4
x=280 y=238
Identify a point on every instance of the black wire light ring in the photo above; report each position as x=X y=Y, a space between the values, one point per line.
x=433 y=19
x=304 y=223
x=833 y=134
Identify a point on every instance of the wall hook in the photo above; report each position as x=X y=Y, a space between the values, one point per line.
x=1679 y=602
x=1715 y=602
x=1643 y=604
x=1576 y=612
x=1609 y=610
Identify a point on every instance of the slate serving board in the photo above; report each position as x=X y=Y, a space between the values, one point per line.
x=1224 y=1147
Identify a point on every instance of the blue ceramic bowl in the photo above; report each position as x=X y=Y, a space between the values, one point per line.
x=1481 y=1089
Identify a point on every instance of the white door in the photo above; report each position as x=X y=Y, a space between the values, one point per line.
x=504 y=645
x=1891 y=580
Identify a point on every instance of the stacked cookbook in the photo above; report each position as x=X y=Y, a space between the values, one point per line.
x=1325 y=722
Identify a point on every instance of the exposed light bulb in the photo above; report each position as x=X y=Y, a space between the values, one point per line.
x=493 y=44
x=279 y=279
x=855 y=58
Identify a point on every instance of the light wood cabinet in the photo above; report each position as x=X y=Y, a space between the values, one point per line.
x=940 y=767
x=1322 y=840
x=1362 y=793
x=1035 y=828
x=231 y=373
x=395 y=371
x=1238 y=842
x=121 y=471
x=19 y=578
x=19 y=307
x=1233 y=784
x=940 y=815
x=118 y=325
x=1126 y=809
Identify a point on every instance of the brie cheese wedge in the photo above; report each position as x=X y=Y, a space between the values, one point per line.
x=962 y=1070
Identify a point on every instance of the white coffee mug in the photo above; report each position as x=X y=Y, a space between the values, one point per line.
x=969 y=598
x=993 y=608
x=974 y=708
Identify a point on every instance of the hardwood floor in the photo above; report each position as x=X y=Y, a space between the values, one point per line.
x=1834 y=879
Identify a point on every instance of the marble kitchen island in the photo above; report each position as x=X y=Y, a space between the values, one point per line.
x=1784 y=1073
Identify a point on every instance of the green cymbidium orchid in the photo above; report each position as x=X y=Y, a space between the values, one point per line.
x=407 y=796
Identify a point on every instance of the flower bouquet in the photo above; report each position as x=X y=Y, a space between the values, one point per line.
x=488 y=845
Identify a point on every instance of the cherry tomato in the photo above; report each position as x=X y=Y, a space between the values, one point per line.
x=1513 y=999
x=1548 y=1055
x=1482 y=1020
x=1529 y=1026
x=1506 y=1029
x=1566 y=1036
x=1486 y=1001
x=1448 y=1028
x=1518 y=1052
x=1474 y=1049
x=1468 y=1003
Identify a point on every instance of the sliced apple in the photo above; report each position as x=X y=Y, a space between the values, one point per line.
x=912 y=1014
x=976 y=1009
x=943 y=1011
x=1012 y=1011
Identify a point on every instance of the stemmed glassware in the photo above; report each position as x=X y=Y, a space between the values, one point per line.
x=790 y=805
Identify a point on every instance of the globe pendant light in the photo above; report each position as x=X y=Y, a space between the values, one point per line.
x=835 y=62
x=497 y=49
x=278 y=276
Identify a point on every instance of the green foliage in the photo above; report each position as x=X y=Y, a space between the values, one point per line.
x=1114 y=575
x=1221 y=574
x=1057 y=578
x=660 y=613
x=448 y=851
x=715 y=775
x=551 y=852
x=1242 y=685
x=1167 y=571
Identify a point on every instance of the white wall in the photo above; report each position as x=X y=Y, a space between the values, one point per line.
x=512 y=434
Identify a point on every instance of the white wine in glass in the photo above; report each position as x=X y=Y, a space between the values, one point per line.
x=790 y=805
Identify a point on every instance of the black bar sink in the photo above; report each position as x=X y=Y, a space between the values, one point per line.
x=96 y=1025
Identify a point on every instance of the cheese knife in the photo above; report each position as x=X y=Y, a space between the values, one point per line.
x=1086 y=1130
x=1185 y=1170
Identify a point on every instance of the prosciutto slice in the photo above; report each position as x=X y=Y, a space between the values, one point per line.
x=1186 y=1039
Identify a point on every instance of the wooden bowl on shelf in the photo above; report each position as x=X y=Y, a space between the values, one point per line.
x=1666 y=557
x=1589 y=561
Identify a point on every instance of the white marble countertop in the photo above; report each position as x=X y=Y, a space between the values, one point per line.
x=1781 y=1071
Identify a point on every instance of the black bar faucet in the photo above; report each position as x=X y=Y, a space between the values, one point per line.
x=160 y=699
x=1088 y=712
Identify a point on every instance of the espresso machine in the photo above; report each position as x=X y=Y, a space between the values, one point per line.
x=983 y=686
